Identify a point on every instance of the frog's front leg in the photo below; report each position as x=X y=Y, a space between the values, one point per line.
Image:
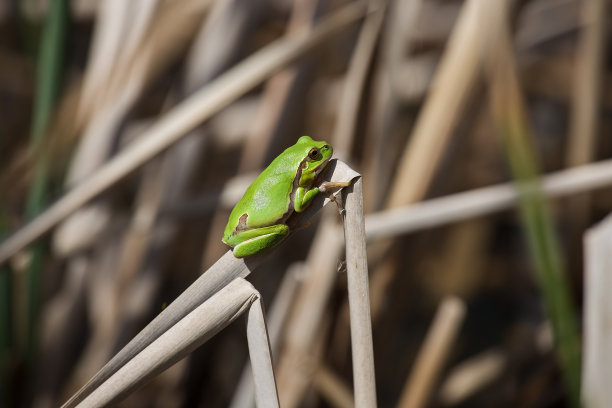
x=303 y=197
x=252 y=241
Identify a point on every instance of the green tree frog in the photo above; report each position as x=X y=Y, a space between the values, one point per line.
x=258 y=221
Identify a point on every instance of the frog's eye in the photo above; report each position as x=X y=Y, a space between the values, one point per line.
x=313 y=153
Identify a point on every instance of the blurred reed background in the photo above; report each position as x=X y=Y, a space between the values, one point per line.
x=476 y=297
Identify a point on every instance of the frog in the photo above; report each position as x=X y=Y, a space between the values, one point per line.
x=287 y=186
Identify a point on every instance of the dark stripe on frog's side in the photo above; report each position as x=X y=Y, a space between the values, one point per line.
x=242 y=222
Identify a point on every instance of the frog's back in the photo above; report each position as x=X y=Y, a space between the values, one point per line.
x=268 y=198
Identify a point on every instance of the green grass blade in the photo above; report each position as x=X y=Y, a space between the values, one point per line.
x=545 y=249
x=48 y=79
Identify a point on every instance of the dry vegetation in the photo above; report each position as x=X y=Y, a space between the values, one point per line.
x=128 y=129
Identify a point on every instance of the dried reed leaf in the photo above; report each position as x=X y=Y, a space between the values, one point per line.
x=189 y=333
x=433 y=353
x=451 y=87
x=309 y=306
x=472 y=375
x=277 y=318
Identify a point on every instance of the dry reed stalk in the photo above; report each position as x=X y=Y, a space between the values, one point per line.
x=542 y=21
x=597 y=357
x=137 y=238
x=190 y=332
x=472 y=375
x=119 y=29
x=352 y=94
x=587 y=82
x=218 y=276
x=584 y=125
x=383 y=110
x=433 y=353
x=171 y=127
x=451 y=88
x=482 y=201
x=226 y=269
x=277 y=318
x=309 y=307
x=381 y=114
x=415 y=76
x=364 y=382
x=260 y=354
x=403 y=20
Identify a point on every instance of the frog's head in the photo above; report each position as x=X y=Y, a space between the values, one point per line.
x=316 y=155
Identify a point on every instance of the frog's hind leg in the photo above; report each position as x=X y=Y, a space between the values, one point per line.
x=262 y=238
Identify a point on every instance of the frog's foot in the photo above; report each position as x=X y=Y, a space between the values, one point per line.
x=258 y=239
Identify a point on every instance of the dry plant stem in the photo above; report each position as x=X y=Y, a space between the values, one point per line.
x=597 y=357
x=364 y=383
x=189 y=333
x=383 y=109
x=308 y=311
x=483 y=201
x=585 y=107
x=217 y=277
x=226 y=269
x=450 y=89
x=139 y=234
x=344 y=131
x=261 y=356
x=403 y=21
x=472 y=375
x=199 y=107
x=433 y=353
x=587 y=84
x=243 y=396
x=116 y=22
x=560 y=18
